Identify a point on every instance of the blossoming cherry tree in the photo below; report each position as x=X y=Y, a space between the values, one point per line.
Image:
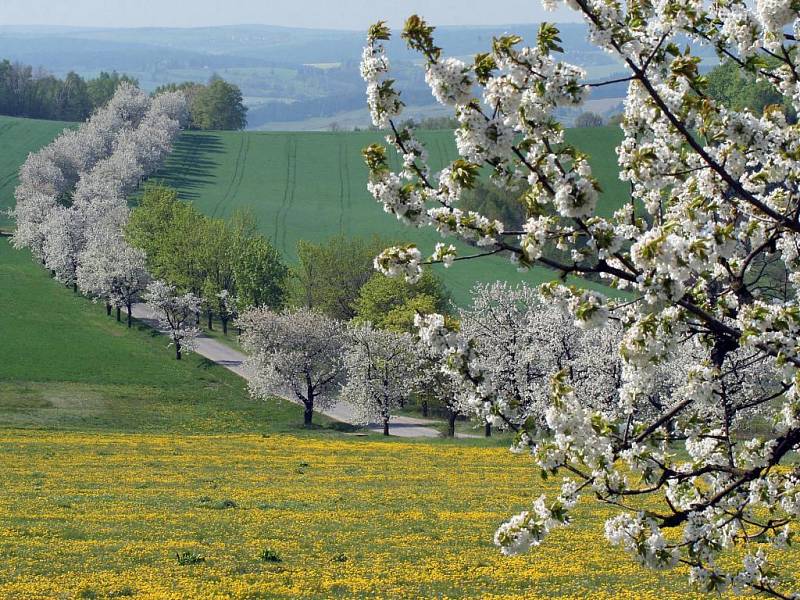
x=705 y=250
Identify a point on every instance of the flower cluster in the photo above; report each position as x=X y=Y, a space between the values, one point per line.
x=177 y=314
x=404 y=261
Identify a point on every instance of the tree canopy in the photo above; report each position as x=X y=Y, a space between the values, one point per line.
x=329 y=275
x=207 y=256
x=25 y=92
x=217 y=105
x=393 y=305
x=705 y=250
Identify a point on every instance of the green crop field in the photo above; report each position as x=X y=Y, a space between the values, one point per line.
x=313 y=186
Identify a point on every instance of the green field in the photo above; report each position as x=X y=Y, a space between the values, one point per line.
x=306 y=185
x=64 y=364
x=19 y=137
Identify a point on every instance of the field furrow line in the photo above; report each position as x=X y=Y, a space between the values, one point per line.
x=342 y=167
x=291 y=187
x=286 y=190
x=236 y=168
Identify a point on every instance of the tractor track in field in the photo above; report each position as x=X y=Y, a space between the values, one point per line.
x=342 y=181
x=7 y=179
x=348 y=181
x=238 y=174
x=288 y=193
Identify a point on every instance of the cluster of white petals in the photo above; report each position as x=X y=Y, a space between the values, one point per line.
x=701 y=334
x=405 y=261
x=296 y=352
x=382 y=372
x=72 y=197
x=177 y=314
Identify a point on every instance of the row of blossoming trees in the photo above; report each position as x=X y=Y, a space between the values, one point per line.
x=72 y=199
x=320 y=360
x=705 y=252
x=72 y=213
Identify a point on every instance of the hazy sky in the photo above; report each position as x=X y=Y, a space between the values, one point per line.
x=334 y=14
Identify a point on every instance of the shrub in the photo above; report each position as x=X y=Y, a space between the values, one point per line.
x=270 y=556
x=189 y=557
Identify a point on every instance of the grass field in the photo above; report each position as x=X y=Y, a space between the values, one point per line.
x=64 y=364
x=313 y=186
x=18 y=137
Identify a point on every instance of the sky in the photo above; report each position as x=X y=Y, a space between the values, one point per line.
x=318 y=14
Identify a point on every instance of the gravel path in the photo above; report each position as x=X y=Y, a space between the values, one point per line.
x=232 y=359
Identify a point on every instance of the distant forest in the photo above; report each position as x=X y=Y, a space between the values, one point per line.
x=36 y=94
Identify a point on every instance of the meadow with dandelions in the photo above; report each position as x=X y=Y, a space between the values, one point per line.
x=113 y=515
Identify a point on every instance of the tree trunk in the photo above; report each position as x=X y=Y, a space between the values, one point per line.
x=309 y=403
x=488 y=430
x=178 y=350
x=425 y=408
x=225 y=327
x=108 y=309
x=451 y=424
x=119 y=313
x=74 y=287
x=386 y=426
x=210 y=321
x=130 y=316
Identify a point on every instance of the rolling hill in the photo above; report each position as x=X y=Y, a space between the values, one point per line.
x=304 y=185
x=18 y=137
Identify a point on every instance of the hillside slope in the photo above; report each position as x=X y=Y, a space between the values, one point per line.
x=19 y=137
x=65 y=365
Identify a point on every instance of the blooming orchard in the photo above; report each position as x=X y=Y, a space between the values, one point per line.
x=112 y=269
x=522 y=342
x=706 y=251
x=177 y=314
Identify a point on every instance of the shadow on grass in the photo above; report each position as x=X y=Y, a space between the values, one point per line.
x=343 y=427
x=206 y=363
x=191 y=163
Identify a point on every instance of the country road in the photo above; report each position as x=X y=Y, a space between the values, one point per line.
x=231 y=359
